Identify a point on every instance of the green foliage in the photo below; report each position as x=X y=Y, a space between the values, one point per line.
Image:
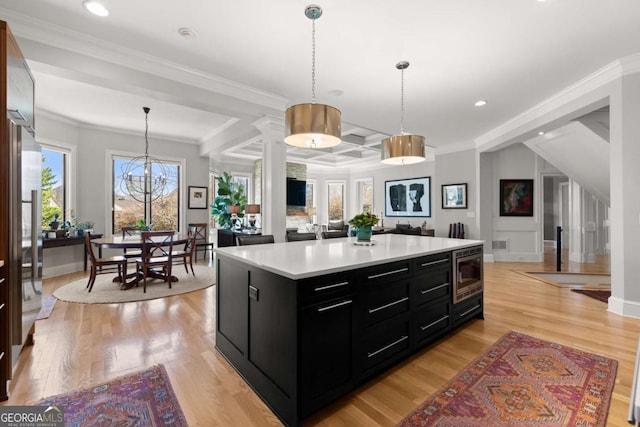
x=49 y=210
x=364 y=219
x=143 y=226
x=229 y=194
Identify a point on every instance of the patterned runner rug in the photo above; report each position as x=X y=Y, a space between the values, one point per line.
x=521 y=380
x=595 y=294
x=144 y=398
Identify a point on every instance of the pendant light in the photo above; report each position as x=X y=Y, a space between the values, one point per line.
x=402 y=149
x=313 y=125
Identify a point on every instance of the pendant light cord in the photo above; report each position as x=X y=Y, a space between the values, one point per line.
x=146 y=132
x=313 y=60
x=402 y=101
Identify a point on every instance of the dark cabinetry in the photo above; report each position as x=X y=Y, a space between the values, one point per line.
x=326 y=350
x=303 y=343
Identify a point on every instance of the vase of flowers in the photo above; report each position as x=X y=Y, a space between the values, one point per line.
x=363 y=223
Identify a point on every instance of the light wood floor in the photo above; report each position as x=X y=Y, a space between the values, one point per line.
x=81 y=345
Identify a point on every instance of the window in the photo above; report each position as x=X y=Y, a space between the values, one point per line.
x=365 y=195
x=163 y=212
x=54 y=185
x=213 y=192
x=245 y=180
x=311 y=200
x=335 y=192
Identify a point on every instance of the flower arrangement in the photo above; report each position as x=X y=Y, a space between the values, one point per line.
x=364 y=219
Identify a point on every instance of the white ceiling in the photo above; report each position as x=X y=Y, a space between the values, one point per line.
x=250 y=59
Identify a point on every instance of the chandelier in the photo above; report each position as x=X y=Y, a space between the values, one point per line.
x=402 y=149
x=145 y=178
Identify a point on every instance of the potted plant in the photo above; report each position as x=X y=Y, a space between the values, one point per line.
x=229 y=194
x=142 y=225
x=363 y=222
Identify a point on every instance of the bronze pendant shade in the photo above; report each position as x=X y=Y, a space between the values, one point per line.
x=312 y=126
x=403 y=149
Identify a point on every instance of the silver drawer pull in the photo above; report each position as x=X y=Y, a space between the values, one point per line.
x=324 y=288
x=475 y=307
x=426 y=291
x=331 y=307
x=400 y=270
x=440 y=261
x=424 y=328
x=398 y=341
x=382 y=307
x=1 y=306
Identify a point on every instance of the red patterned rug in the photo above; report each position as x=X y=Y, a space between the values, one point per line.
x=144 y=398
x=523 y=381
x=596 y=294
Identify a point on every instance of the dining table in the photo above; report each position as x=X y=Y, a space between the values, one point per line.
x=134 y=242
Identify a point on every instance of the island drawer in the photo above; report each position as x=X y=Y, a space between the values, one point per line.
x=386 y=273
x=383 y=344
x=430 y=262
x=467 y=309
x=430 y=286
x=385 y=301
x=324 y=287
x=431 y=321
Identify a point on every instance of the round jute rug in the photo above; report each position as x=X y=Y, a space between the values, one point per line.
x=106 y=291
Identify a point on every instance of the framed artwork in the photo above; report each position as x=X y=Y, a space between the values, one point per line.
x=454 y=196
x=408 y=197
x=516 y=197
x=198 y=197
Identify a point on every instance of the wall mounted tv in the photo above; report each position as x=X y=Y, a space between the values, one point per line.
x=296 y=192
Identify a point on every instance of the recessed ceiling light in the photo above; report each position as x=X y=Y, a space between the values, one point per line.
x=541 y=132
x=95 y=7
x=186 y=32
x=480 y=103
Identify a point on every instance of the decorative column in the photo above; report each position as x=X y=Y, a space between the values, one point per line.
x=625 y=196
x=274 y=177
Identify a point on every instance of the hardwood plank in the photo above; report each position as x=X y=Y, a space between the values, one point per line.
x=80 y=345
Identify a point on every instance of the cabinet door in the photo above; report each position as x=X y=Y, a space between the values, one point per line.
x=327 y=353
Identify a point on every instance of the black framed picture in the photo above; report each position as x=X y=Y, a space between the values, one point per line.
x=408 y=197
x=516 y=197
x=198 y=197
x=454 y=196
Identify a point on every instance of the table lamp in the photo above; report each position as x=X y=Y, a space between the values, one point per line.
x=234 y=211
x=251 y=211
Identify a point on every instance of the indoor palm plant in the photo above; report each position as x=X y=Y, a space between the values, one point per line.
x=363 y=222
x=229 y=194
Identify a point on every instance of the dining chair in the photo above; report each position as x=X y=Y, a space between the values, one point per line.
x=202 y=239
x=103 y=265
x=334 y=234
x=254 y=239
x=188 y=252
x=296 y=237
x=130 y=232
x=157 y=247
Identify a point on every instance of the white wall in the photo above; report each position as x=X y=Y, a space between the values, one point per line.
x=456 y=168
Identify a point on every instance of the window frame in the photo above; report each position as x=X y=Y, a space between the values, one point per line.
x=69 y=172
x=109 y=194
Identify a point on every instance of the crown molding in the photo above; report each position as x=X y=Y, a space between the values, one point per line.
x=529 y=119
x=63 y=38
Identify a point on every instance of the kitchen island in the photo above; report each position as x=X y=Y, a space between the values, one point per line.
x=306 y=322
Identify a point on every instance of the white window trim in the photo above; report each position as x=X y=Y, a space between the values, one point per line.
x=70 y=166
x=181 y=161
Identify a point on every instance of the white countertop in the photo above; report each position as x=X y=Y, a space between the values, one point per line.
x=299 y=260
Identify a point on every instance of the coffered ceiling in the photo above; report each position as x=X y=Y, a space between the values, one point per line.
x=248 y=59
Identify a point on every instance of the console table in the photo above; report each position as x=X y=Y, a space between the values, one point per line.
x=68 y=241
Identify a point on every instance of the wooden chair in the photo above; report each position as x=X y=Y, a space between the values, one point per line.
x=254 y=239
x=129 y=232
x=296 y=237
x=334 y=234
x=156 y=259
x=103 y=265
x=188 y=252
x=202 y=239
